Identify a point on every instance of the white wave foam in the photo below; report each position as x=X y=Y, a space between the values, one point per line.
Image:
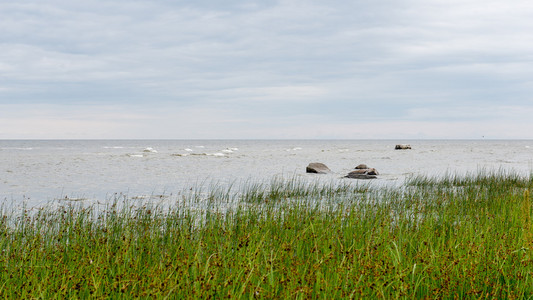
x=218 y=154
x=67 y=198
x=150 y=149
x=17 y=148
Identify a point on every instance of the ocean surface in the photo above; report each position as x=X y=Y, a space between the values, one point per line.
x=37 y=172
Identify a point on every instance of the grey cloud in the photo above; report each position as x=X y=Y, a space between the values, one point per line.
x=379 y=59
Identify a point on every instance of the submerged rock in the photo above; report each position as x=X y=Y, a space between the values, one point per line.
x=402 y=147
x=357 y=175
x=318 y=168
x=362 y=171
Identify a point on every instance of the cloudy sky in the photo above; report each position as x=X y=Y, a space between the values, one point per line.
x=266 y=69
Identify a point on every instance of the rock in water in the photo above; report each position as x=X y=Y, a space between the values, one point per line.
x=372 y=171
x=318 y=168
x=358 y=175
x=362 y=171
x=402 y=147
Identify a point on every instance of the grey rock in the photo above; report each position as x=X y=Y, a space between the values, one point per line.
x=318 y=168
x=356 y=175
x=360 y=170
x=372 y=171
x=402 y=147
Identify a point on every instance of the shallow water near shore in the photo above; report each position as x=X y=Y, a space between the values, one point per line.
x=39 y=171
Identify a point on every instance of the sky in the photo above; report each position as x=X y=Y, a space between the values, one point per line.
x=287 y=69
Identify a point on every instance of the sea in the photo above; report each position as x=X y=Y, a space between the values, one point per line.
x=37 y=172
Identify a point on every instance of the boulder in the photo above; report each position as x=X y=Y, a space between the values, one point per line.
x=318 y=168
x=362 y=171
x=372 y=171
x=402 y=147
x=359 y=171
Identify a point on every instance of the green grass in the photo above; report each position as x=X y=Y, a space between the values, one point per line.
x=447 y=237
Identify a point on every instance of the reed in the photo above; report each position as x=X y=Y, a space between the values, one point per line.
x=435 y=237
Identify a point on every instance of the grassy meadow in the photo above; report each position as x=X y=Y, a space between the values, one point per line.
x=453 y=236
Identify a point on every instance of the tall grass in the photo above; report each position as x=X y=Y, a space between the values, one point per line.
x=466 y=237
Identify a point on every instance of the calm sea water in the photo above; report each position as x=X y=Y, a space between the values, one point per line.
x=37 y=171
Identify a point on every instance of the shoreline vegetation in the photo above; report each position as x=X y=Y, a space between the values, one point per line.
x=468 y=236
